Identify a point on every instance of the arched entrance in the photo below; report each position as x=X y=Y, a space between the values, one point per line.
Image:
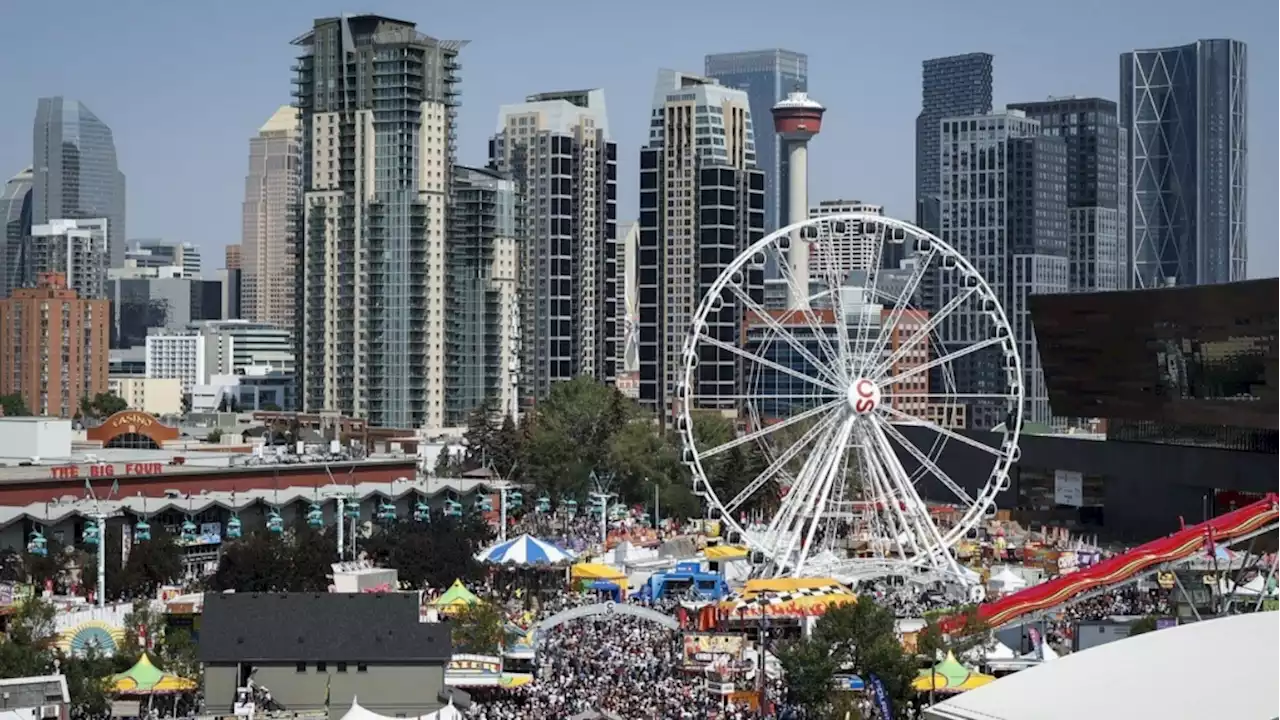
x=132 y=429
x=607 y=609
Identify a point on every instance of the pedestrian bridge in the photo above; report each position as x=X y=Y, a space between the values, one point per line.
x=607 y=609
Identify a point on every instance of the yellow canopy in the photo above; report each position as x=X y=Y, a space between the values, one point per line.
x=723 y=553
x=781 y=585
x=456 y=596
x=596 y=571
x=144 y=678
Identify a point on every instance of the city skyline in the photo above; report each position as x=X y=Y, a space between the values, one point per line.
x=166 y=196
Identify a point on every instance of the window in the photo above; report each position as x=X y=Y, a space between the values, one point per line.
x=342 y=667
x=321 y=667
x=302 y=667
x=362 y=667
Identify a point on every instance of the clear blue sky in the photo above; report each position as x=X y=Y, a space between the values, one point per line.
x=184 y=84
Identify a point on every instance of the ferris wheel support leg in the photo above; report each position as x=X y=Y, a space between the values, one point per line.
x=783 y=523
x=883 y=488
x=833 y=467
x=940 y=555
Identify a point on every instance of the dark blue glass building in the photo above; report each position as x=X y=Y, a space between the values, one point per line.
x=1184 y=108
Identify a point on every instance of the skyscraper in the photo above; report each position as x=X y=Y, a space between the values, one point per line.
x=75 y=250
x=1003 y=203
x=76 y=174
x=482 y=306
x=15 y=214
x=1185 y=111
x=952 y=87
x=1098 y=253
x=271 y=193
x=701 y=205
x=767 y=76
x=377 y=102
x=557 y=146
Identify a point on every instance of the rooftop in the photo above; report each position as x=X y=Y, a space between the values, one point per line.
x=296 y=627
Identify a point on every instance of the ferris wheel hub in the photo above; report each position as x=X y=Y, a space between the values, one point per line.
x=863 y=396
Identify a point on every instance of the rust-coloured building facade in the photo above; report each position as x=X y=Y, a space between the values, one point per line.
x=53 y=346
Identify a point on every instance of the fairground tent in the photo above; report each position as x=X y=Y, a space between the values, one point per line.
x=144 y=678
x=457 y=596
x=359 y=712
x=525 y=550
x=949 y=676
x=598 y=571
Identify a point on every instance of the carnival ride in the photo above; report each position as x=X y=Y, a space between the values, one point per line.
x=1235 y=526
x=826 y=384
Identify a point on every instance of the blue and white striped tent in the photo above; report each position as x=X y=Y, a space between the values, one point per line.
x=525 y=550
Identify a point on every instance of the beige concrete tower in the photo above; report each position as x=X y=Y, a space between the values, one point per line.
x=796 y=120
x=271 y=192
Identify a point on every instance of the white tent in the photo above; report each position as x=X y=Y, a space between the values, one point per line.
x=993 y=651
x=1006 y=581
x=359 y=712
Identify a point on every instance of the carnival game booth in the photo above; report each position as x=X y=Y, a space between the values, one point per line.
x=454 y=599
x=784 y=601
x=601 y=578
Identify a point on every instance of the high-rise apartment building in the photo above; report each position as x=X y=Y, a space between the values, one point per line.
x=767 y=76
x=1185 y=110
x=76 y=173
x=1096 y=182
x=483 y=332
x=952 y=86
x=75 y=249
x=376 y=100
x=628 y=378
x=1003 y=207
x=53 y=347
x=272 y=190
x=15 y=228
x=701 y=205
x=232 y=257
x=852 y=251
x=557 y=147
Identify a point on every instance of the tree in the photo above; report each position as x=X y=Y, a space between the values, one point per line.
x=478 y=438
x=1143 y=625
x=477 y=628
x=214 y=436
x=14 y=406
x=87 y=682
x=569 y=435
x=269 y=407
x=430 y=554
x=297 y=561
x=932 y=643
x=857 y=638
x=442 y=464
x=504 y=449
x=27 y=649
x=152 y=563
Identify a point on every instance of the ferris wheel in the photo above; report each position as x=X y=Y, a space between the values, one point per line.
x=853 y=394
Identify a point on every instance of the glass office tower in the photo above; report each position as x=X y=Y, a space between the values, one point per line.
x=1185 y=110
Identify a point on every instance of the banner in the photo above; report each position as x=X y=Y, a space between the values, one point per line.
x=882 y=698
x=702 y=650
x=1068 y=488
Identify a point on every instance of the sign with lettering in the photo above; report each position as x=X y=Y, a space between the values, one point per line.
x=131 y=421
x=106 y=470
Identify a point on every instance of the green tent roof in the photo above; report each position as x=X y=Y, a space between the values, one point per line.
x=457 y=594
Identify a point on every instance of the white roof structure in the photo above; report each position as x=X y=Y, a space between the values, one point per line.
x=359 y=712
x=1222 y=668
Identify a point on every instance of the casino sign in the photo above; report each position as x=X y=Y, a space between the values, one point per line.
x=134 y=430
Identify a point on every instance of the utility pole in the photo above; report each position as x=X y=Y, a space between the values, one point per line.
x=99 y=516
x=602 y=494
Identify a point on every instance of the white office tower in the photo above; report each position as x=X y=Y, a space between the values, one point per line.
x=76 y=248
x=377 y=100
x=557 y=147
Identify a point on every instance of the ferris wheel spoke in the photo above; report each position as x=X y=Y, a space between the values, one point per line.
x=925 y=462
x=892 y=502
x=806 y=312
x=781 y=331
x=945 y=359
x=780 y=462
x=729 y=347
x=899 y=307
x=924 y=332
x=839 y=308
x=944 y=396
x=796 y=494
x=769 y=429
x=918 y=422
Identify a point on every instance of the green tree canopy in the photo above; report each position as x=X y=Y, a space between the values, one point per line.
x=477 y=628
x=14 y=406
x=570 y=435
